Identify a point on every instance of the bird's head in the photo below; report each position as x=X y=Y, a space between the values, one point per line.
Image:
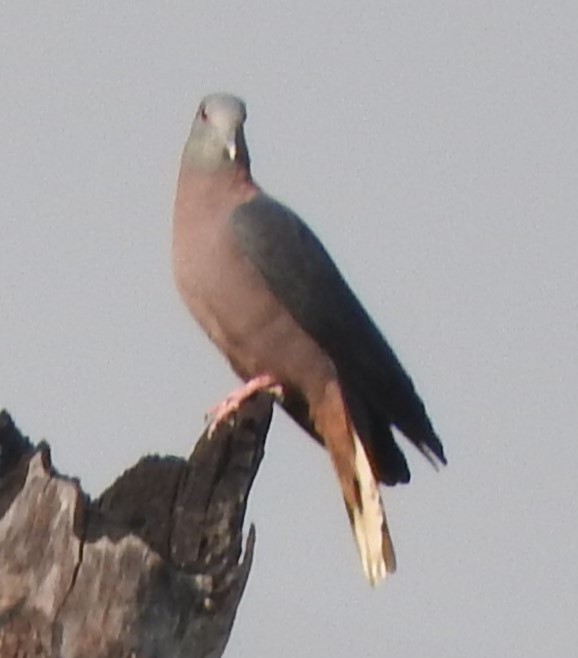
x=217 y=140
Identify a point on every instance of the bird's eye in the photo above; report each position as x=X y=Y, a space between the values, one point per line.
x=204 y=115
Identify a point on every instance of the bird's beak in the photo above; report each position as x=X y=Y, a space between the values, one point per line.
x=231 y=147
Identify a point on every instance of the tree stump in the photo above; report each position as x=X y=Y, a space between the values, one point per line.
x=152 y=568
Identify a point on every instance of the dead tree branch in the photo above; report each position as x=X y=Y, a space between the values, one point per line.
x=152 y=568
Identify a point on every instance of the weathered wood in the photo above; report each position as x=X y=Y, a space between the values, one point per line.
x=152 y=568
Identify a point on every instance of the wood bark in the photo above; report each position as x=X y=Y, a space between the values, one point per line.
x=152 y=568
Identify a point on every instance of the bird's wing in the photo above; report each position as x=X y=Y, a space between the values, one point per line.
x=304 y=278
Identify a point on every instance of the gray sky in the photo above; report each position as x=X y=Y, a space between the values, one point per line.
x=434 y=148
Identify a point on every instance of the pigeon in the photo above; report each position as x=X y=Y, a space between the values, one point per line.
x=263 y=288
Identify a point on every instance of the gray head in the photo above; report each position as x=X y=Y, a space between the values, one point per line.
x=217 y=140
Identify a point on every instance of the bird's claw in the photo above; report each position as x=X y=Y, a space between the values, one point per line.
x=227 y=410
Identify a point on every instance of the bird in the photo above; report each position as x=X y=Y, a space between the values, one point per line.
x=264 y=289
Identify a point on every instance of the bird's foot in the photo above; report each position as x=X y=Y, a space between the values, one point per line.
x=225 y=410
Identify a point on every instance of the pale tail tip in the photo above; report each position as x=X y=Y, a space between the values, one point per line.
x=378 y=571
x=379 y=563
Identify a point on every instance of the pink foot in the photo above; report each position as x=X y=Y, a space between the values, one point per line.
x=232 y=402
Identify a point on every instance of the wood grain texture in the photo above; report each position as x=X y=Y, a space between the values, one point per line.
x=152 y=568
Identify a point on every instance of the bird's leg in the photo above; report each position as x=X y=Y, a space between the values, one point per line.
x=232 y=402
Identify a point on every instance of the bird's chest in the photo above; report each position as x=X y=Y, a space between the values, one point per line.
x=223 y=291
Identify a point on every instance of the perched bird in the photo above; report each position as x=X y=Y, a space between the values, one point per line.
x=263 y=288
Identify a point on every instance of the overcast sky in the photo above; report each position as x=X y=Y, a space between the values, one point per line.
x=433 y=146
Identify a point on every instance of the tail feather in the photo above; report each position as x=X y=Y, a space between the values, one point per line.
x=359 y=486
x=369 y=522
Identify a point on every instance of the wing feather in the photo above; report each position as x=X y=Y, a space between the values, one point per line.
x=302 y=275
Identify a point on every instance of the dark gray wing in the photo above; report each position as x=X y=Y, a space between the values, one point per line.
x=304 y=278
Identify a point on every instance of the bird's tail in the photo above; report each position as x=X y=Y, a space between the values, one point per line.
x=359 y=486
